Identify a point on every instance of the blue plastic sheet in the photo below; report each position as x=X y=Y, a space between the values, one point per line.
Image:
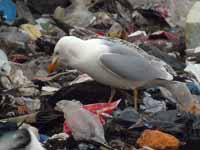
x=43 y=138
x=9 y=10
x=195 y=89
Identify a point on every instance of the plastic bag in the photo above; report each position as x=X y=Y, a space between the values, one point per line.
x=9 y=10
x=83 y=124
x=107 y=108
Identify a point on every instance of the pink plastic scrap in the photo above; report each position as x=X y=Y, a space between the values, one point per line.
x=96 y=109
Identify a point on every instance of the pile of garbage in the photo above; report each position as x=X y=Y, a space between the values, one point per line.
x=69 y=110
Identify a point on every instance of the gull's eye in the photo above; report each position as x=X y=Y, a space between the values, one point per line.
x=3 y=70
x=56 y=53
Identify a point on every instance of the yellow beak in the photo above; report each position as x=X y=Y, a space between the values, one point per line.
x=54 y=64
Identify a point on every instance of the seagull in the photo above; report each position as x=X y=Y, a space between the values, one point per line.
x=22 y=139
x=5 y=67
x=119 y=64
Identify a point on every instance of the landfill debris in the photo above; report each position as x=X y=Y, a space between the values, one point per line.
x=194 y=88
x=59 y=13
x=158 y=140
x=127 y=117
x=116 y=31
x=8 y=11
x=78 y=13
x=194 y=69
x=192 y=26
x=23 y=12
x=49 y=89
x=163 y=32
x=171 y=60
x=32 y=105
x=23 y=84
x=84 y=125
x=153 y=106
x=136 y=35
x=63 y=136
x=82 y=78
x=100 y=110
x=43 y=138
x=165 y=41
x=42 y=7
x=193 y=54
x=32 y=31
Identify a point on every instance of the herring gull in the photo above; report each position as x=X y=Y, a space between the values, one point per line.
x=120 y=64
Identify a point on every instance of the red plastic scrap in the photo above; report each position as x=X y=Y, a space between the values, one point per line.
x=100 y=33
x=164 y=11
x=131 y=28
x=18 y=58
x=163 y=35
x=159 y=38
x=96 y=109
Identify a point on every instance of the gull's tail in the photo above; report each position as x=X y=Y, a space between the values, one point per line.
x=183 y=96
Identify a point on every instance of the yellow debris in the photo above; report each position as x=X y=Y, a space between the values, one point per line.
x=59 y=13
x=32 y=31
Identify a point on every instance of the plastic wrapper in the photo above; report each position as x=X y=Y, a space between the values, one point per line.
x=97 y=109
x=84 y=124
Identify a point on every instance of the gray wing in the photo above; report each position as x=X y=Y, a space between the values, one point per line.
x=131 y=65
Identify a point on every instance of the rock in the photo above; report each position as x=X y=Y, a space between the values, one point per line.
x=158 y=140
x=192 y=29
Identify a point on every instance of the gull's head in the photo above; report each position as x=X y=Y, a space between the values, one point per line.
x=66 y=50
x=5 y=68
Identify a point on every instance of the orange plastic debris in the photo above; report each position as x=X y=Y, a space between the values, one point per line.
x=22 y=110
x=158 y=140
